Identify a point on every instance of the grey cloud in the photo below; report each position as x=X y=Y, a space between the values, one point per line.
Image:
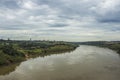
x=58 y=25
x=48 y=17
x=107 y=11
x=67 y=7
x=12 y=4
x=50 y=30
x=113 y=18
x=16 y=27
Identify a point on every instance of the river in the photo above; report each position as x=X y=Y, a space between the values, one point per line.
x=84 y=63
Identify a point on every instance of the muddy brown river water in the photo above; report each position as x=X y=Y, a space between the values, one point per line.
x=84 y=63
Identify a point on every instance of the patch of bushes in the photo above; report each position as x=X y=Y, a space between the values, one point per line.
x=17 y=51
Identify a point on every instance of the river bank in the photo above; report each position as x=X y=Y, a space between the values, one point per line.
x=17 y=51
x=114 y=45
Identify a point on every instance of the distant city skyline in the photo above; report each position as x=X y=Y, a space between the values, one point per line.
x=61 y=20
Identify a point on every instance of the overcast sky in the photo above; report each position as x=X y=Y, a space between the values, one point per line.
x=68 y=20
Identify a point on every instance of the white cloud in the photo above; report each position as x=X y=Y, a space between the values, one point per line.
x=69 y=20
x=27 y=4
x=108 y=10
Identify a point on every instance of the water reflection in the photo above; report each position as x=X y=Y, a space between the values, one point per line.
x=7 y=69
x=85 y=63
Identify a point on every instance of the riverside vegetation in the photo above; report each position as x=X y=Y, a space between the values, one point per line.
x=114 y=45
x=17 y=51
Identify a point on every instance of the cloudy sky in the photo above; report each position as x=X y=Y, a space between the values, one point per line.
x=68 y=20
